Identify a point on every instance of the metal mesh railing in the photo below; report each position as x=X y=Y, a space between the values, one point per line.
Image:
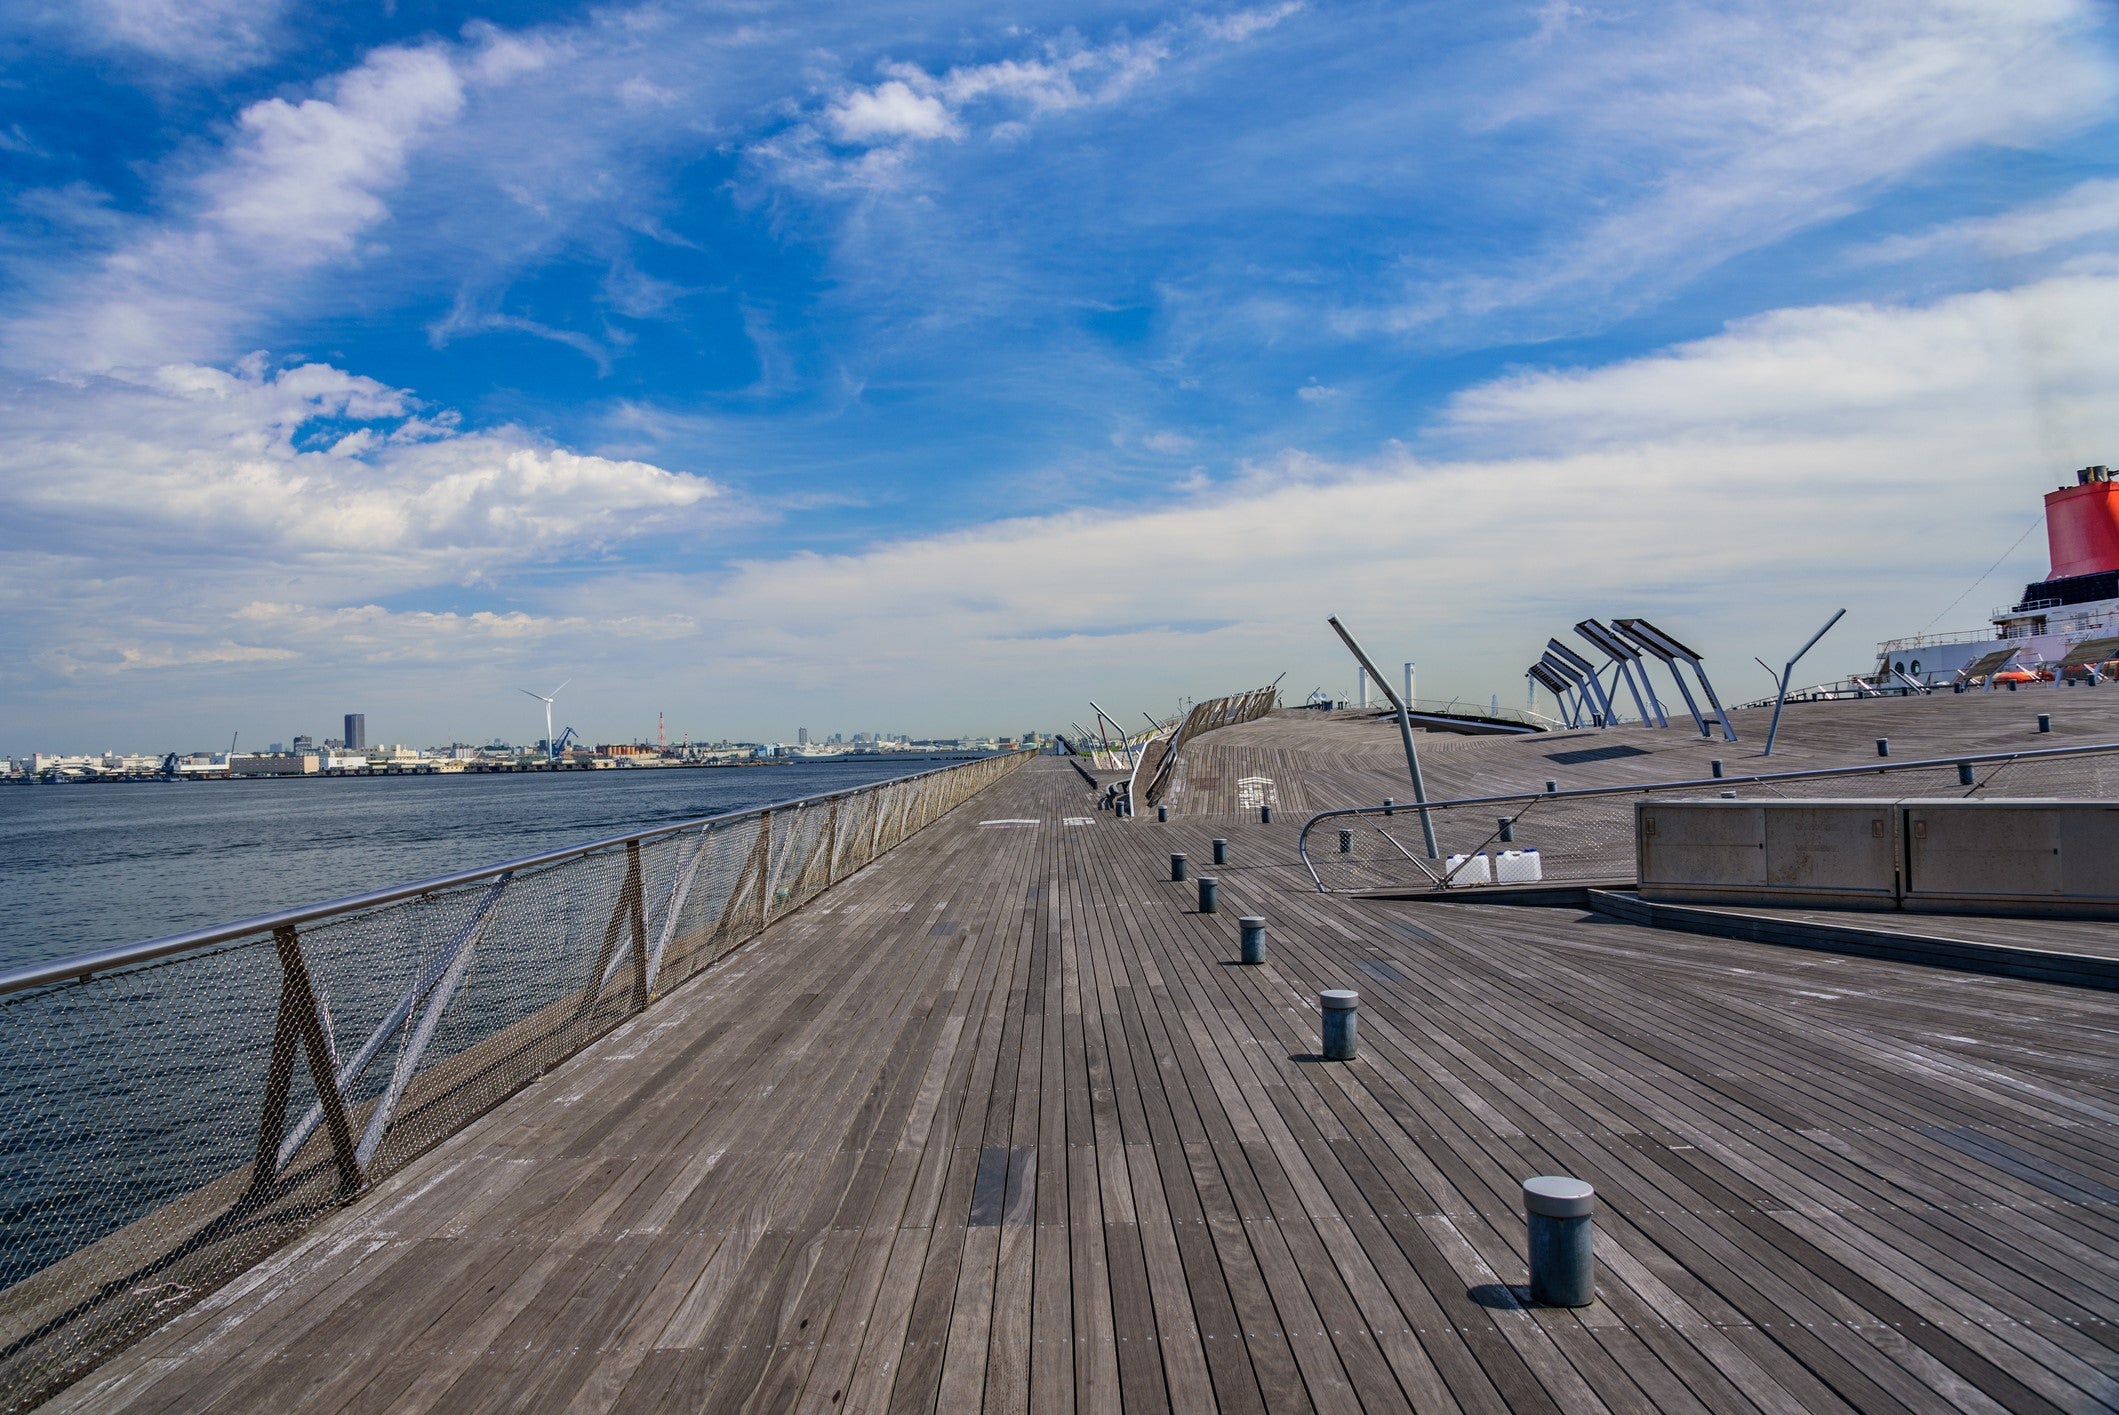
x=1151 y=772
x=172 y=1112
x=1587 y=837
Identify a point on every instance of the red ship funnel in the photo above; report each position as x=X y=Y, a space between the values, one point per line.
x=2082 y=524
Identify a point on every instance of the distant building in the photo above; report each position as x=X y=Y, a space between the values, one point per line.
x=277 y=764
x=801 y=736
x=356 y=738
x=304 y=745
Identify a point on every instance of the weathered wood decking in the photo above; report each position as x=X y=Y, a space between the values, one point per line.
x=998 y=1123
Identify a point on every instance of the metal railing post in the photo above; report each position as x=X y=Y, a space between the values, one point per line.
x=301 y=996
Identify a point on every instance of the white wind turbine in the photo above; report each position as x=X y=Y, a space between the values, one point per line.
x=547 y=701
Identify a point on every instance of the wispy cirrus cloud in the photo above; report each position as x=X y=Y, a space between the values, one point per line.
x=1707 y=132
x=2084 y=212
x=861 y=134
x=209 y=37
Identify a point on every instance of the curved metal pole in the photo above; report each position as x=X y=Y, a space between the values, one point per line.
x=1782 y=697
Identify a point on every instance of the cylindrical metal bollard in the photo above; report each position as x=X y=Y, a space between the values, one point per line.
x=1209 y=899
x=1716 y=766
x=1563 y=1259
x=1339 y=1005
x=1506 y=829
x=1551 y=787
x=2045 y=722
x=1346 y=842
x=1221 y=852
x=1883 y=746
x=1177 y=867
x=1265 y=815
x=1388 y=805
x=1964 y=773
x=1253 y=938
x=1162 y=813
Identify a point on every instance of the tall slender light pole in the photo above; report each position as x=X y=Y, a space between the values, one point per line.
x=1781 y=698
x=1405 y=733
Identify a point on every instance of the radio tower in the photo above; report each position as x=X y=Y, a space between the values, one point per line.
x=662 y=736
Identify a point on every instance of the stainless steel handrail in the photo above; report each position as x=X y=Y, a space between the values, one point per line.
x=86 y=965
x=1878 y=768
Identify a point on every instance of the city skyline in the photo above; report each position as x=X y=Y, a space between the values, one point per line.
x=941 y=366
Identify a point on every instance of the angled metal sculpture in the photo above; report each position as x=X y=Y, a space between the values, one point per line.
x=1600 y=701
x=1624 y=657
x=1674 y=653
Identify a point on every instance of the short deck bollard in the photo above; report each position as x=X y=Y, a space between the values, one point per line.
x=2045 y=722
x=1162 y=813
x=1964 y=773
x=1551 y=787
x=1254 y=938
x=1506 y=829
x=1883 y=746
x=1716 y=765
x=1265 y=815
x=1389 y=806
x=1346 y=842
x=1177 y=868
x=1339 y=1006
x=1209 y=898
x=1563 y=1260
x=1221 y=852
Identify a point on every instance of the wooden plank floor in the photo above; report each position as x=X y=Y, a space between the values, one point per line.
x=998 y=1124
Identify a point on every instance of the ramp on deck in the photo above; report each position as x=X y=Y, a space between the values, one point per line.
x=998 y=1123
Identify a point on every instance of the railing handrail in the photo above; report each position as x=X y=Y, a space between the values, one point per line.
x=83 y=966
x=1877 y=768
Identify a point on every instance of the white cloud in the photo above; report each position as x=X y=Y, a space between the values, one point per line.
x=1169 y=444
x=1315 y=392
x=1000 y=97
x=304 y=180
x=269 y=467
x=889 y=110
x=1876 y=372
x=2088 y=209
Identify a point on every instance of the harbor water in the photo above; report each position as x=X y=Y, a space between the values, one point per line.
x=86 y=867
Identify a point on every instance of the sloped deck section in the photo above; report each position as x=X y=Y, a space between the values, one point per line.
x=1311 y=761
x=997 y=1123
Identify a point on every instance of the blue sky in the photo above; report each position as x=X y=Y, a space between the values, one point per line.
x=934 y=369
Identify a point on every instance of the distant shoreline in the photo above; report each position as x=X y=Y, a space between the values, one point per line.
x=497 y=769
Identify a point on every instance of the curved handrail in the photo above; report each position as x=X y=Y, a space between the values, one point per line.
x=1880 y=768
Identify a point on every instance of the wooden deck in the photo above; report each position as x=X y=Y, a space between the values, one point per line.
x=998 y=1123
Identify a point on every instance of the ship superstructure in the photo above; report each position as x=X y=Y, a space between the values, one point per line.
x=2060 y=624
